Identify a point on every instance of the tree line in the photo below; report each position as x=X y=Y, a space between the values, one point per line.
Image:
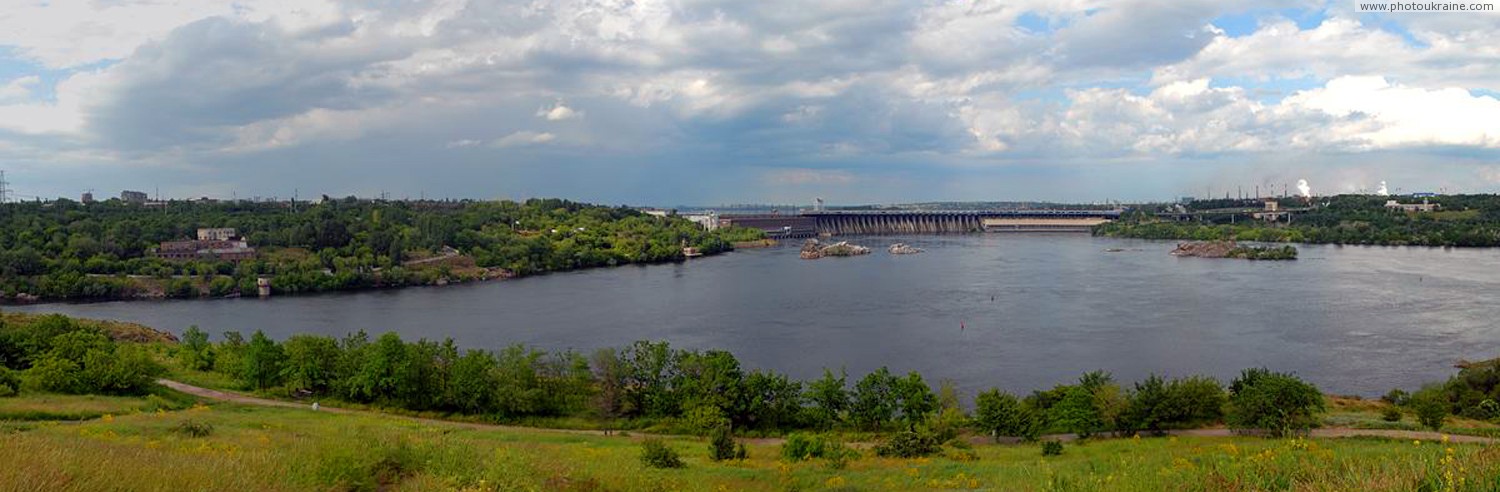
x=1462 y=220
x=700 y=391
x=66 y=249
x=648 y=383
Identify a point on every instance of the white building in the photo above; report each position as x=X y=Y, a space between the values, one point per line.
x=217 y=234
x=1412 y=207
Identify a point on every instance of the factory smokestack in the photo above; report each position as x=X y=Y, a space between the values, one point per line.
x=1303 y=188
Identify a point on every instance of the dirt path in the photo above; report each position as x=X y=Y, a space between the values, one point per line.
x=1333 y=432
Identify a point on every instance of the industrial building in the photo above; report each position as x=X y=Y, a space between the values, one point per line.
x=214 y=244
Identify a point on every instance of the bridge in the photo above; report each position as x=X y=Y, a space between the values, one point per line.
x=841 y=222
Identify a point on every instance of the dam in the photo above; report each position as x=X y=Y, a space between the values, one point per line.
x=851 y=222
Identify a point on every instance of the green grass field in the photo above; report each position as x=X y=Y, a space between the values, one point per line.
x=258 y=448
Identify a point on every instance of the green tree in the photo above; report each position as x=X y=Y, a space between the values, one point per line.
x=874 y=401
x=312 y=363
x=1431 y=406
x=472 y=383
x=1001 y=414
x=264 y=359
x=195 y=352
x=829 y=398
x=1275 y=402
x=917 y=402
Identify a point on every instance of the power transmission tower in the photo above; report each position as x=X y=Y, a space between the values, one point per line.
x=4 y=188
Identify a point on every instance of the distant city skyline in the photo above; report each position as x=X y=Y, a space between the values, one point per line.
x=705 y=101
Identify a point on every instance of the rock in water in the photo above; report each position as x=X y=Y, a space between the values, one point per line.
x=812 y=249
x=1205 y=249
x=904 y=249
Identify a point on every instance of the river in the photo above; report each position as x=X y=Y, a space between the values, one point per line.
x=1020 y=312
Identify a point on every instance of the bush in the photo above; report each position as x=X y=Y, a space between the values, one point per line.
x=1397 y=397
x=1390 y=414
x=1277 y=403
x=1157 y=405
x=722 y=446
x=86 y=362
x=657 y=454
x=1431 y=406
x=193 y=428
x=800 y=447
x=909 y=444
x=10 y=382
x=1052 y=448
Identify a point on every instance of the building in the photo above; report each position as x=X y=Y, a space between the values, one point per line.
x=217 y=234
x=214 y=244
x=88 y=197
x=775 y=225
x=708 y=221
x=1412 y=207
x=133 y=197
x=205 y=250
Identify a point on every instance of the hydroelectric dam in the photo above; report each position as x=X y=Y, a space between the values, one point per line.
x=849 y=222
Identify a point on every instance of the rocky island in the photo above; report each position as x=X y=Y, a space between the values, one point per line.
x=1229 y=249
x=904 y=249
x=812 y=249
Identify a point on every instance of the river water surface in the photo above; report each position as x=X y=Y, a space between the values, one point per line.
x=1020 y=312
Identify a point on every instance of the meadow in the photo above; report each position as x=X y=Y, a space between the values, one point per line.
x=260 y=448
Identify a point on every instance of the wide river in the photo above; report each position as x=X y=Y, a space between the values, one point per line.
x=1020 y=312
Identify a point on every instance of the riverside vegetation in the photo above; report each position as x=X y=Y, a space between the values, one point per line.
x=1463 y=220
x=921 y=438
x=70 y=250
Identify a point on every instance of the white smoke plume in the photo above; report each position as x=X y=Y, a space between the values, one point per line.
x=1303 y=188
x=1382 y=191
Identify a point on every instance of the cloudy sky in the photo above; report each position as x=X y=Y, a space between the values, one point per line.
x=727 y=101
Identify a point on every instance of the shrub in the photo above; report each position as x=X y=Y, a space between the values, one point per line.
x=1277 y=403
x=1390 y=414
x=1431 y=406
x=909 y=444
x=800 y=447
x=1397 y=397
x=657 y=454
x=10 y=383
x=949 y=423
x=1156 y=404
x=1052 y=448
x=722 y=446
x=193 y=428
x=85 y=361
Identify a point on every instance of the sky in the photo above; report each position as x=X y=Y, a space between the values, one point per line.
x=705 y=102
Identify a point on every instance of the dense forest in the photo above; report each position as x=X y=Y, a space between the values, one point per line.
x=65 y=249
x=1462 y=220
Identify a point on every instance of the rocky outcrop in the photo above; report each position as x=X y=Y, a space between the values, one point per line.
x=812 y=249
x=1228 y=249
x=904 y=249
x=1205 y=249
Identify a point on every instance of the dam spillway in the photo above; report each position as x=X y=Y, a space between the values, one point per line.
x=854 y=222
